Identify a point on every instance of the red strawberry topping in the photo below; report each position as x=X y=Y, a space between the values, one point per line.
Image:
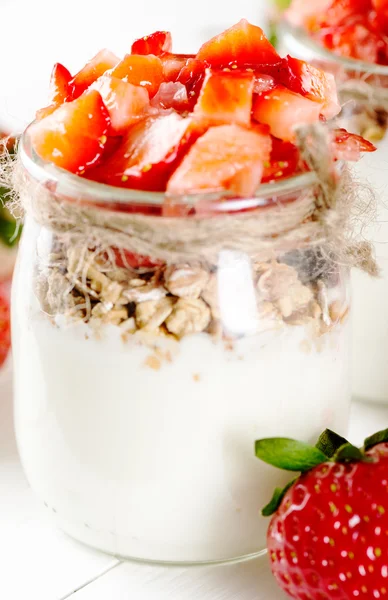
x=180 y=123
x=97 y=66
x=243 y=44
x=156 y=43
x=73 y=137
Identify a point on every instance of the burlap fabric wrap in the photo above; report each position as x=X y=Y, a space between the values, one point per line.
x=322 y=215
x=372 y=95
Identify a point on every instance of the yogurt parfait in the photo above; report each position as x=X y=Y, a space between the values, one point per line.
x=181 y=291
x=350 y=40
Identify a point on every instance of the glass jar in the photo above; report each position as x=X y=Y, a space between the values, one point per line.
x=143 y=379
x=356 y=81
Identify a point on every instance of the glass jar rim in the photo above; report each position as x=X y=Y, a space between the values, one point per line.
x=70 y=185
x=302 y=40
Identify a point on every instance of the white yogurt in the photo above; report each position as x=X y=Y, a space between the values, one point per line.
x=159 y=464
x=370 y=297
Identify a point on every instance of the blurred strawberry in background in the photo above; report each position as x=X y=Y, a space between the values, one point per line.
x=9 y=237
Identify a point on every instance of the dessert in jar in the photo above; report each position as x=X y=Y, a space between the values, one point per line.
x=350 y=40
x=179 y=292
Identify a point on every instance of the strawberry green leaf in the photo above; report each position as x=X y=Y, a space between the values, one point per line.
x=349 y=453
x=378 y=438
x=277 y=499
x=329 y=442
x=289 y=454
x=9 y=232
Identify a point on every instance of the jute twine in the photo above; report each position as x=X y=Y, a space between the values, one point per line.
x=371 y=95
x=323 y=215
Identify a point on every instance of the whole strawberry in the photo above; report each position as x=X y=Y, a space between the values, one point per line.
x=329 y=535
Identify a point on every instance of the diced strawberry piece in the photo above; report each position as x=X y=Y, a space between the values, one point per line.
x=225 y=98
x=226 y=157
x=60 y=90
x=192 y=75
x=74 y=136
x=282 y=109
x=173 y=64
x=148 y=154
x=312 y=83
x=263 y=83
x=126 y=103
x=130 y=260
x=242 y=44
x=146 y=71
x=284 y=161
x=97 y=66
x=155 y=43
x=171 y=94
x=5 y=322
x=381 y=8
x=45 y=112
x=349 y=146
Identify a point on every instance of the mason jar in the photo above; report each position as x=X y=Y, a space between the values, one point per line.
x=363 y=89
x=155 y=341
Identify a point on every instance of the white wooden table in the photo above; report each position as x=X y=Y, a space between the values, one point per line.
x=40 y=563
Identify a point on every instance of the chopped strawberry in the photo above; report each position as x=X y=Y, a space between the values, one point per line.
x=381 y=8
x=173 y=64
x=146 y=71
x=192 y=75
x=5 y=322
x=126 y=103
x=313 y=83
x=284 y=161
x=281 y=109
x=60 y=90
x=171 y=94
x=225 y=98
x=148 y=154
x=263 y=83
x=226 y=157
x=45 y=112
x=242 y=44
x=74 y=136
x=349 y=146
x=155 y=43
x=97 y=66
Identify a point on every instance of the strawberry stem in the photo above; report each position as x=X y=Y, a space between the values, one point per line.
x=377 y=438
x=330 y=442
x=349 y=453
